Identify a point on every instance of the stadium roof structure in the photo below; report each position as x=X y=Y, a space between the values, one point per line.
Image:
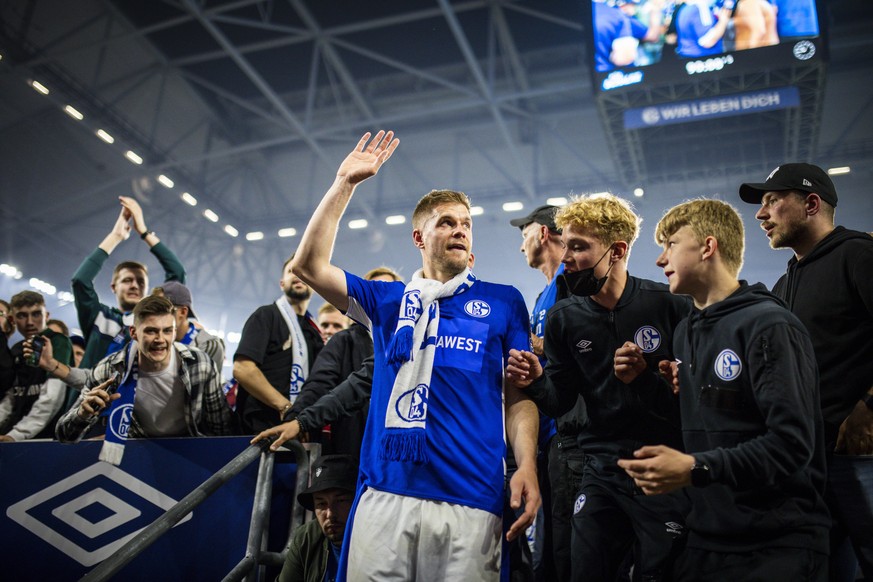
x=245 y=108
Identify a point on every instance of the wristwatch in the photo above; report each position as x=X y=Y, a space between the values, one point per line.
x=868 y=400
x=700 y=476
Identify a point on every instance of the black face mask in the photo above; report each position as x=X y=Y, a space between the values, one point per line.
x=583 y=283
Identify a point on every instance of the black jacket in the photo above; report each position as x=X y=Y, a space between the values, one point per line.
x=749 y=397
x=7 y=370
x=351 y=395
x=342 y=355
x=831 y=292
x=580 y=342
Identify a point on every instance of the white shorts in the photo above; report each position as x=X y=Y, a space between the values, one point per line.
x=395 y=537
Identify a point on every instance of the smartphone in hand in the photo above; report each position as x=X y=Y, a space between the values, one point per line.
x=37 y=343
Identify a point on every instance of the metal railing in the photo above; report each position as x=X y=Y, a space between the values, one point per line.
x=256 y=553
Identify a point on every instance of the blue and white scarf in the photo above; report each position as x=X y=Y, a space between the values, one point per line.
x=121 y=337
x=300 y=355
x=412 y=349
x=121 y=411
x=190 y=335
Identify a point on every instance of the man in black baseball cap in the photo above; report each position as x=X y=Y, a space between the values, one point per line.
x=801 y=177
x=544 y=215
x=543 y=250
x=828 y=287
x=314 y=551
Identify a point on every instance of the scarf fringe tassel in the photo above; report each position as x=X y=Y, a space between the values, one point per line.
x=112 y=453
x=406 y=445
x=400 y=348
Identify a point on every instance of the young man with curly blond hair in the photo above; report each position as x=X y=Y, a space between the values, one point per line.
x=754 y=464
x=606 y=311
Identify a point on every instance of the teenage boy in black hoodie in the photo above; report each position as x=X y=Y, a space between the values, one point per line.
x=748 y=388
x=829 y=286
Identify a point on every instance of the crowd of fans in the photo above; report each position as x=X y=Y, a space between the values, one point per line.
x=706 y=428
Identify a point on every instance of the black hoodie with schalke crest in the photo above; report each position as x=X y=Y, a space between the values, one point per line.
x=750 y=411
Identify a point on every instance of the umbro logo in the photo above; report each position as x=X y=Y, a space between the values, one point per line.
x=674 y=528
x=91 y=514
x=584 y=346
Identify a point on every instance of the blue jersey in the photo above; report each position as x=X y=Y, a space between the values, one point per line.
x=796 y=18
x=538 y=327
x=610 y=23
x=465 y=428
x=543 y=304
x=692 y=22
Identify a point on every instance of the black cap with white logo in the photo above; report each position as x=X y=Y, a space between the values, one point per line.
x=544 y=215
x=803 y=177
x=330 y=472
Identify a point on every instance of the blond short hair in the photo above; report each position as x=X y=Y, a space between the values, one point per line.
x=607 y=218
x=327 y=308
x=383 y=271
x=707 y=217
x=433 y=199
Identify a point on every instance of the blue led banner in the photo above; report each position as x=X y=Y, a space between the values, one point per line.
x=65 y=511
x=712 y=107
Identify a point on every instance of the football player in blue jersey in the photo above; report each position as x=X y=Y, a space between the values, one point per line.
x=430 y=495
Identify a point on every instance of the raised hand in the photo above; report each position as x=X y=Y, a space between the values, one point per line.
x=121 y=229
x=45 y=358
x=367 y=157
x=134 y=211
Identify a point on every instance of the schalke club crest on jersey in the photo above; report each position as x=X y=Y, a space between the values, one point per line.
x=648 y=338
x=477 y=308
x=728 y=365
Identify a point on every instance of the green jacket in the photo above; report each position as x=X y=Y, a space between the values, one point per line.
x=307 y=555
x=100 y=323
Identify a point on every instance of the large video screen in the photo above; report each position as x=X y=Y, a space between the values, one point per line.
x=661 y=41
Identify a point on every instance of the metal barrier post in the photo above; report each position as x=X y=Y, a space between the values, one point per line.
x=298 y=512
x=255 y=553
x=257 y=538
x=260 y=510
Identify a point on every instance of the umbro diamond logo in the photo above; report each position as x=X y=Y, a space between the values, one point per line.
x=92 y=513
x=584 y=346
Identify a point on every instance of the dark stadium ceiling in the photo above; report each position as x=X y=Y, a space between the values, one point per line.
x=250 y=105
